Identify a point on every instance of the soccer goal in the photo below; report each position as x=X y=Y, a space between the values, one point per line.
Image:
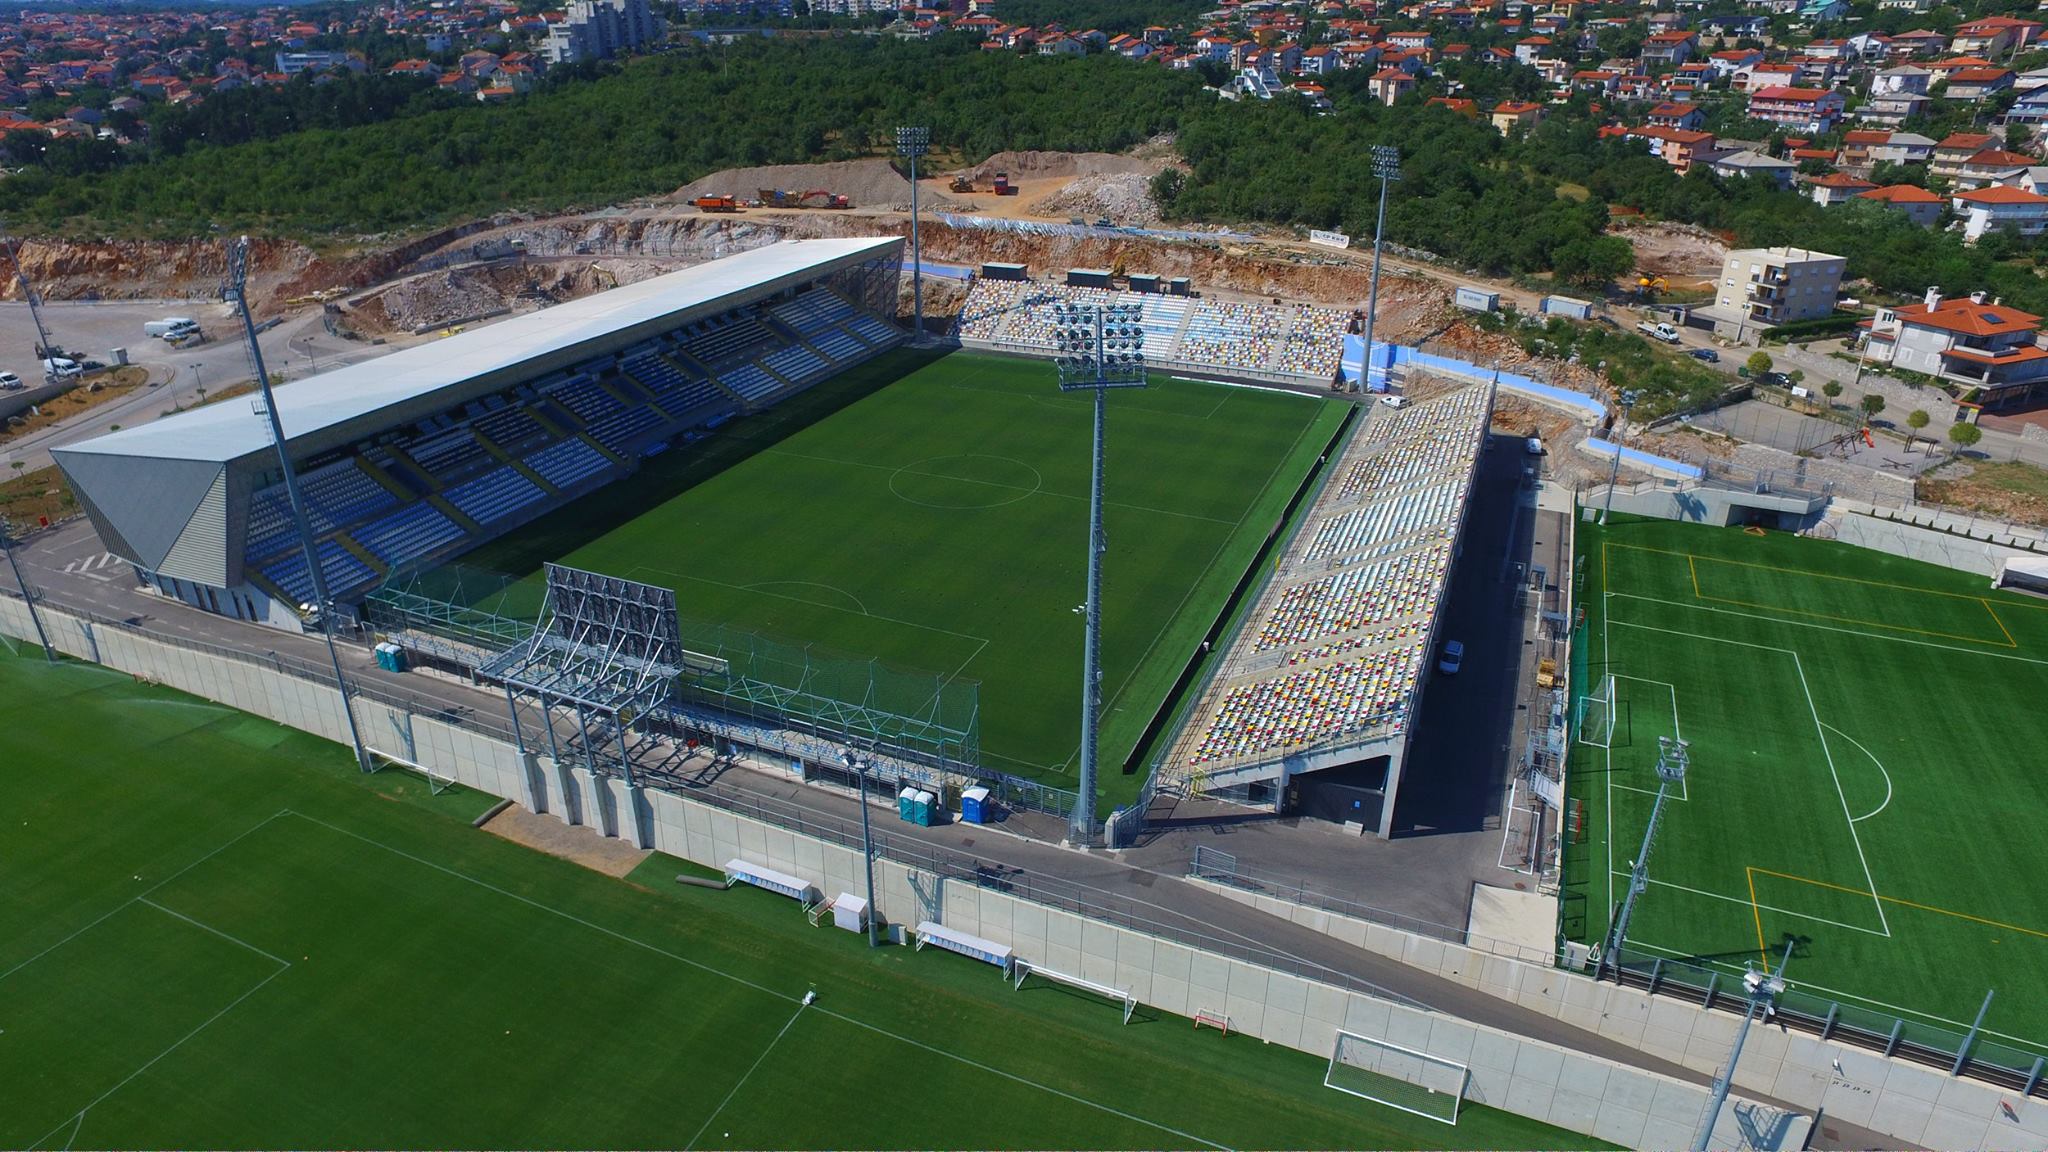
x=1398 y=1077
x=437 y=782
x=1024 y=968
x=1596 y=715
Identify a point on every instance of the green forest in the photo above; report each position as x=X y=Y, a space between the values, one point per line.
x=375 y=155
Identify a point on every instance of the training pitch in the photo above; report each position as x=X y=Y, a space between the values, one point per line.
x=1865 y=778
x=219 y=934
x=932 y=513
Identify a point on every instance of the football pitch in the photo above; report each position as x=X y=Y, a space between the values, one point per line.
x=1865 y=774
x=932 y=514
x=218 y=934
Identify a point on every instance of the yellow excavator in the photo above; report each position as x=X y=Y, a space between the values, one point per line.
x=1647 y=288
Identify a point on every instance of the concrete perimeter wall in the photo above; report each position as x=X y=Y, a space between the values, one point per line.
x=1937 y=538
x=1531 y=1078
x=1920 y=1106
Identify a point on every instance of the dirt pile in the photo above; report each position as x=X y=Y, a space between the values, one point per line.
x=868 y=183
x=1123 y=198
x=1038 y=165
x=110 y=270
x=1673 y=250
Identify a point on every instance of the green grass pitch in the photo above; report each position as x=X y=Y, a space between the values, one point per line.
x=1866 y=738
x=219 y=935
x=933 y=514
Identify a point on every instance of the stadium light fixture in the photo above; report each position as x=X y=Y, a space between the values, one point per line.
x=1763 y=990
x=28 y=595
x=1099 y=347
x=1672 y=761
x=913 y=143
x=1628 y=403
x=237 y=291
x=1386 y=164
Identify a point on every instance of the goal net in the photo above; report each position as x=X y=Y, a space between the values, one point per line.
x=1398 y=1077
x=1596 y=715
x=1024 y=968
x=437 y=782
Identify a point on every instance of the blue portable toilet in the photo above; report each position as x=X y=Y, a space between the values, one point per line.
x=906 y=804
x=976 y=807
x=921 y=805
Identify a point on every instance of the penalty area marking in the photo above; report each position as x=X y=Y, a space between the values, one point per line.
x=1880 y=768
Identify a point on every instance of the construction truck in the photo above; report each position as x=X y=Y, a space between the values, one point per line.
x=777 y=198
x=1003 y=185
x=963 y=185
x=819 y=198
x=716 y=204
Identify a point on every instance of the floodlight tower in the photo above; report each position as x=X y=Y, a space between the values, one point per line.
x=913 y=143
x=1100 y=347
x=1628 y=403
x=1763 y=990
x=28 y=595
x=1386 y=164
x=1671 y=765
x=35 y=314
x=237 y=288
x=859 y=764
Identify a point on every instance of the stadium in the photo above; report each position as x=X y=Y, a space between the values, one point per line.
x=786 y=457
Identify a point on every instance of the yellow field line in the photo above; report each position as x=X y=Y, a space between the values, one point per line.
x=1896 y=900
x=2009 y=642
x=2001 y=623
x=1693 y=566
x=1761 y=949
x=1817 y=575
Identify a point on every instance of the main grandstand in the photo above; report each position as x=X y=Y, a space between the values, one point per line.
x=421 y=455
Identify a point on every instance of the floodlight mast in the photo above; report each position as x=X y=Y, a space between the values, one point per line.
x=1101 y=346
x=860 y=765
x=238 y=290
x=1628 y=403
x=1671 y=765
x=1763 y=990
x=1386 y=164
x=28 y=596
x=35 y=314
x=913 y=143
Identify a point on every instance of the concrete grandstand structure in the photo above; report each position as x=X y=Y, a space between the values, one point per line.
x=1318 y=688
x=416 y=457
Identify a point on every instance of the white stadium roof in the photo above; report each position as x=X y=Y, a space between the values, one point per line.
x=228 y=431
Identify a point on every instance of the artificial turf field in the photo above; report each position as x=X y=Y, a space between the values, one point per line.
x=218 y=934
x=1866 y=772
x=932 y=514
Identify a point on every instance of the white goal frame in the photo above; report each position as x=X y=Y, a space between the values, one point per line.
x=1602 y=699
x=437 y=782
x=1022 y=968
x=1369 y=1058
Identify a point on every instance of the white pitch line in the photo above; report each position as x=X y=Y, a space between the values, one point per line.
x=1766 y=907
x=751 y=1069
x=1880 y=767
x=232 y=939
x=1684 y=785
x=1820 y=627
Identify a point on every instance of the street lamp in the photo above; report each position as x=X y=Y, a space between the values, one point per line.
x=913 y=143
x=1101 y=346
x=859 y=765
x=1386 y=164
x=1628 y=402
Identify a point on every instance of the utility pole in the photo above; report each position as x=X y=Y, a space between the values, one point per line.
x=1628 y=403
x=1386 y=164
x=913 y=143
x=859 y=764
x=1101 y=346
x=28 y=595
x=238 y=276
x=35 y=314
x=1671 y=765
x=1763 y=989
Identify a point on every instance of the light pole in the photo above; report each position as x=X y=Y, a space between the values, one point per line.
x=1386 y=164
x=28 y=595
x=35 y=314
x=1101 y=346
x=859 y=765
x=1628 y=403
x=238 y=269
x=1763 y=989
x=1671 y=765
x=913 y=143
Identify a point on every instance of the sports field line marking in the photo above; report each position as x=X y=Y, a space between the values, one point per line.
x=232 y=939
x=861 y=604
x=1762 y=949
x=1745 y=902
x=2010 y=643
x=1882 y=770
x=751 y=1069
x=103 y=917
x=1996 y=620
x=741 y=980
x=1815 y=575
x=1684 y=785
x=1820 y=733
x=1911 y=904
x=78 y=1118
x=1824 y=628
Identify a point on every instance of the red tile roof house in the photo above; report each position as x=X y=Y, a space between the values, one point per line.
x=1837 y=188
x=1920 y=206
x=1813 y=110
x=1985 y=346
x=1999 y=208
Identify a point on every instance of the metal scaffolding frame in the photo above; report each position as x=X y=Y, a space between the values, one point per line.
x=604 y=646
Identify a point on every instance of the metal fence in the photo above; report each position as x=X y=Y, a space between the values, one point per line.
x=1223 y=868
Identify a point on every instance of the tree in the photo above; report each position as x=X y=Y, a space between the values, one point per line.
x=1965 y=435
x=1917 y=420
x=1759 y=362
x=1872 y=405
x=1832 y=389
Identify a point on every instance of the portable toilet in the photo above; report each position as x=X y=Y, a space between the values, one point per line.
x=921 y=806
x=906 y=804
x=976 y=807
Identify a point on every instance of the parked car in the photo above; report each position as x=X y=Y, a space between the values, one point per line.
x=1774 y=380
x=1533 y=446
x=11 y=382
x=1452 y=659
x=1706 y=354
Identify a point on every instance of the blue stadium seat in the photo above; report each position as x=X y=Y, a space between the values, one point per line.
x=495 y=494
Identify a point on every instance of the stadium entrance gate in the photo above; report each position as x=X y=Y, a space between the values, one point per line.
x=1350 y=794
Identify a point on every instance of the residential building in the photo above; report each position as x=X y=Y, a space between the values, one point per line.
x=1754 y=166
x=1983 y=346
x=1813 y=110
x=1903 y=148
x=1669 y=49
x=1903 y=78
x=1772 y=286
x=1893 y=110
x=1837 y=188
x=293 y=63
x=1509 y=115
x=1684 y=116
x=1993 y=36
x=1992 y=166
x=599 y=29
x=1854 y=154
x=1734 y=61
x=1679 y=148
x=1955 y=150
x=1920 y=206
x=1974 y=84
x=1390 y=84
x=2002 y=209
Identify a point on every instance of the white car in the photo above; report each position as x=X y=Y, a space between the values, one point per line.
x=10 y=381
x=1452 y=659
x=1534 y=446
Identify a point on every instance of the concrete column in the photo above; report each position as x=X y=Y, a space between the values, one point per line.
x=532 y=795
x=572 y=794
x=633 y=816
x=591 y=788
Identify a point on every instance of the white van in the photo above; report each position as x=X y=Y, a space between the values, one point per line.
x=61 y=368
x=1393 y=401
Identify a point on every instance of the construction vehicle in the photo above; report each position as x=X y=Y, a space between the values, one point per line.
x=963 y=185
x=1003 y=185
x=1647 y=288
x=716 y=204
x=777 y=198
x=819 y=198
